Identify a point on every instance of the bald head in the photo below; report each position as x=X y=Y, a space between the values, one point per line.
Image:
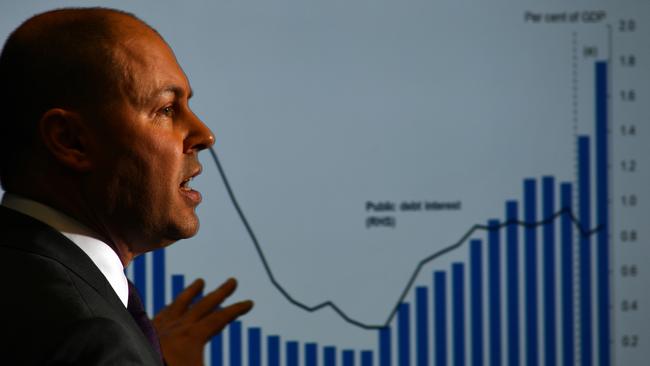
x=59 y=59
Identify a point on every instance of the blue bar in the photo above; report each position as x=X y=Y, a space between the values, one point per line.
x=311 y=354
x=385 y=356
x=602 y=196
x=366 y=358
x=476 y=280
x=404 y=334
x=422 y=325
x=494 y=274
x=584 y=200
x=140 y=277
x=178 y=285
x=216 y=350
x=158 y=280
x=512 y=258
x=530 y=209
x=568 y=329
x=234 y=339
x=348 y=357
x=458 y=312
x=329 y=356
x=550 y=332
x=273 y=350
x=254 y=347
x=292 y=353
x=440 y=316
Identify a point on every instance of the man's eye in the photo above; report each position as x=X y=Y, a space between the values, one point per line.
x=168 y=111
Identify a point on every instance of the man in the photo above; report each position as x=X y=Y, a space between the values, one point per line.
x=98 y=146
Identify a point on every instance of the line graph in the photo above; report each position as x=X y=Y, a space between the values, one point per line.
x=533 y=277
x=416 y=272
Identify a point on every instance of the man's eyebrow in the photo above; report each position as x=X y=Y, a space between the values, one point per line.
x=178 y=91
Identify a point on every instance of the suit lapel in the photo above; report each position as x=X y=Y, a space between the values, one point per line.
x=28 y=234
x=25 y=233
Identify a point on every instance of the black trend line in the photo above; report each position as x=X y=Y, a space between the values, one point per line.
x=416 y=272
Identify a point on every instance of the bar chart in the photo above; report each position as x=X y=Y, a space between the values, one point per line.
x=480 y=310
x=414 y=183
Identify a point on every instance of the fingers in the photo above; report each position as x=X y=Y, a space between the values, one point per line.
x=185 y=298
x=209 y=302
x=215 y=322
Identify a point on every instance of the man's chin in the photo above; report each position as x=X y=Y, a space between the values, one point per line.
x=185 y=229
x=178 y=228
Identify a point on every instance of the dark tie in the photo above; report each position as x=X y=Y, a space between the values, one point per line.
x=140 y=316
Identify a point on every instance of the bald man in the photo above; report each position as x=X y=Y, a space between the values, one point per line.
x=98 y=146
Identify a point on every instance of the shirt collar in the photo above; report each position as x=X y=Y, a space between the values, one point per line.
x=101 y=254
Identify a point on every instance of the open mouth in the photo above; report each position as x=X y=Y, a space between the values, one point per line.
x=185 y=185
x=188 y=191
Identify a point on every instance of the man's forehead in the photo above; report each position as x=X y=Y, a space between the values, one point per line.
x=147 y=65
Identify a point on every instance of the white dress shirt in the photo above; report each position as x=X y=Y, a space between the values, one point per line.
x=99 y=252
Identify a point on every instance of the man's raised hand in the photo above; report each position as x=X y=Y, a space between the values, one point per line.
x=184 y=328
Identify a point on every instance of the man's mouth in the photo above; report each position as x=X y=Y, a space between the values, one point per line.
x=185 y=185
x=188 y=191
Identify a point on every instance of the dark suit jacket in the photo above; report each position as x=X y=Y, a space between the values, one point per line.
x=56 y=307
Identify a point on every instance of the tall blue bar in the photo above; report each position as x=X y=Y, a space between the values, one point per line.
x=512 y=268
x=159 y=277
x=273 y=350
x=348 y=357
x=216 y=350
x=458 y=313
x=178 y=285
x=311 y=354
x=366 y=358
x=584 y=199
x=254 y=347
x=329 y=356
x=234 y=340
x=476 y=302
x=292 y=353
x=140 y=277
x=440 y=317
x=404 y=334
x=548 y=210
x=422 y=325
x=568 y=319
x=385 y=355
x=494 y=280
x=530 y=254
x=602 y=197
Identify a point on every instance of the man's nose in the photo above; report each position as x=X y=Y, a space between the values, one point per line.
x=199 y=135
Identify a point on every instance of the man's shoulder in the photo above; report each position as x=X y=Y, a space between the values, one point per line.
x=48 y=308
x=35 y=263
x=41 y=293
x=31 y=276
x=36 y=254
x=56 y=305
x=46 y=274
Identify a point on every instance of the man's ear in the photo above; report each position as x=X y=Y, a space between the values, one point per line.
x=66 y=137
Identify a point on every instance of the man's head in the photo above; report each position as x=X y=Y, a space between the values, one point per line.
x=96 y=123
x=56 y=59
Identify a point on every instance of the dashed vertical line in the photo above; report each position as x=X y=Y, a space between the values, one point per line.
x=575 y=117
